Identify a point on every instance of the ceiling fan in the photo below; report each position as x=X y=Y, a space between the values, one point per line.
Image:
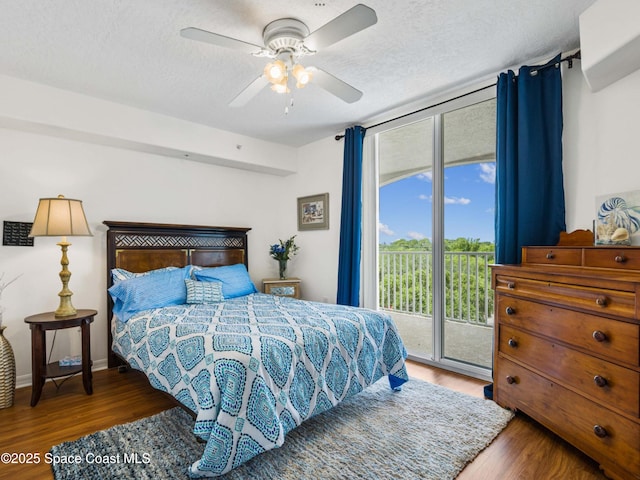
x=286 y=41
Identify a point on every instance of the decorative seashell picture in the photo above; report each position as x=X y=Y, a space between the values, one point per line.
x=618 y=219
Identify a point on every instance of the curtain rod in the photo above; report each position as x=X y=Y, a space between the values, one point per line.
x=569 y=60
x=340 y=137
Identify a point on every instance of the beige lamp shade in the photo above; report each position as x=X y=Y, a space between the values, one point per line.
x=60 y=217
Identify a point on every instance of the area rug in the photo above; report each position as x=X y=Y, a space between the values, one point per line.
x=424 y=431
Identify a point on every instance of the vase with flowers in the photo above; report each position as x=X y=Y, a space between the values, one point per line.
x=282 y=252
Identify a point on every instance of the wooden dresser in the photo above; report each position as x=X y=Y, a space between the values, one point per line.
x=567 y=349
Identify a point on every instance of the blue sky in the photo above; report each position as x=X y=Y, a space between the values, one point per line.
x=405 y=206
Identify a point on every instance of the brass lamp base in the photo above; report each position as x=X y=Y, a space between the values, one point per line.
x=65 y=309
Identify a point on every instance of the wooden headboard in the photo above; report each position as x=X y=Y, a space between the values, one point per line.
x=139 y=247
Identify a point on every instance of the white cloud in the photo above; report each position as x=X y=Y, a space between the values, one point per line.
x=488 y=172
x=422 y=196
x=415 y=235
x=426 y=176
x=456 y=201
x=382 y=228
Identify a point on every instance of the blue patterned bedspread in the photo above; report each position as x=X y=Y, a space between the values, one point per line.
x=253 y=368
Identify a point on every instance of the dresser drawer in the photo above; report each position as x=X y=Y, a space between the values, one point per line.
x=597 y=300
x=597 y=379
x=612 y=257
x=571 y=416
x=605 y=337
x=552 y=255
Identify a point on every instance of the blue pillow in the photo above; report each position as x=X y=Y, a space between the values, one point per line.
x=120 y=274
x=203 y=292
x=234 y=278
x=156 y=289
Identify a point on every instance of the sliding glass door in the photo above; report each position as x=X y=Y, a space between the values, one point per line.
x=468 y=208
x=435 y=224
x=406 y=263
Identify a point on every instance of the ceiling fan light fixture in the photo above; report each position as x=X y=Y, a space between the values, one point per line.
x=275 y=71
x=302 y=75
x=285 y=41
x=281 y=86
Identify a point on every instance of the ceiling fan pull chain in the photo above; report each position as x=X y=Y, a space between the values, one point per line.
x=290 y=103
x=286 y=108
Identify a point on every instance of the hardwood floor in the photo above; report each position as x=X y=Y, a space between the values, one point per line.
x=70 y=413
x=524 y=450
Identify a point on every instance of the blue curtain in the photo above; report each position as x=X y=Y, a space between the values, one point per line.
x=351 y=219
x=530 y=207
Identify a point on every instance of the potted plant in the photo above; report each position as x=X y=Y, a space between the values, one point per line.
x=282 y=252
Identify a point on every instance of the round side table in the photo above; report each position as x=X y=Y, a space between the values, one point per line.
x=40 y=370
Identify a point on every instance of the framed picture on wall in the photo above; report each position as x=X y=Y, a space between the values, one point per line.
x=618 y=219
x=313 y=212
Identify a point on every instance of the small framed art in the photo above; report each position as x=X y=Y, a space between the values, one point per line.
x=17 y=234
x=313 y=212
x=618 y=219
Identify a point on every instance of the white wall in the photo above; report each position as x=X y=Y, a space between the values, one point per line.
x=319 y=171
x=43 y=109
x=601 y=143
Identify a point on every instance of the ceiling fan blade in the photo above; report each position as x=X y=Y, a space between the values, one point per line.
x=352 y=21
x=248 y=93
x=335 y=86
x=193 y=33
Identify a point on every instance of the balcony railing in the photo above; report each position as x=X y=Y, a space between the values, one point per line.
x=406 y=285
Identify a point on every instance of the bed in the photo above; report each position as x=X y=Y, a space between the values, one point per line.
x=249 y=366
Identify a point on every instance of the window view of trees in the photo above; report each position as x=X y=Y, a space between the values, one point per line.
x=424 y=244
x=406 y=280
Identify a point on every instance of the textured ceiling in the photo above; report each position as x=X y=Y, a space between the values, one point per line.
x=131 y=52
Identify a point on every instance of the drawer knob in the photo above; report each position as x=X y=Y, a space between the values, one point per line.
x=599 y=336
x=600 y=381
x=510 y=310
x=550 y=256
x=601 y=301
x=513 y=343
x=511 y=380
x=620 y=259
x=600 y=431
x=511 y=285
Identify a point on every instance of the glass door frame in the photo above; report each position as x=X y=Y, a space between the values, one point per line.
x=370 y=210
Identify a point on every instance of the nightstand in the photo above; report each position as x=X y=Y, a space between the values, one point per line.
x=40 y=370
x=288 y=287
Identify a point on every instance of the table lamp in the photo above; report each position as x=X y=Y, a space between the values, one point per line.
x=61 y=217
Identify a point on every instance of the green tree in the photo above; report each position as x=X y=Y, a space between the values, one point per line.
x=406 y=278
